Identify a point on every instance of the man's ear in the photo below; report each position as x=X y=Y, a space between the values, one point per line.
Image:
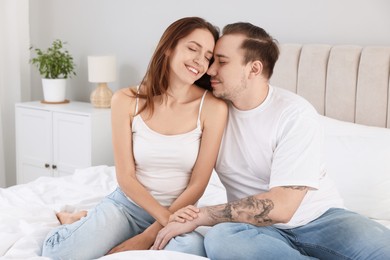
x=256 y=68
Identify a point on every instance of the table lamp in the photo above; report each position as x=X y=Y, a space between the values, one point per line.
x=101 y=70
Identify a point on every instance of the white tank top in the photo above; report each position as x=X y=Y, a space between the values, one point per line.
x=164 y=163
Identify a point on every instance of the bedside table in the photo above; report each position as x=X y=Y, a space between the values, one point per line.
x=54 y=140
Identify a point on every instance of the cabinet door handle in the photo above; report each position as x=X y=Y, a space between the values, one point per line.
x=47 y=165
x=54 y=167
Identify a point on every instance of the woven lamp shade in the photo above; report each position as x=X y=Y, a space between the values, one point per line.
x=101 y=69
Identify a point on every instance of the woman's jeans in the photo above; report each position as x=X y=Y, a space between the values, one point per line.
x=114 y=220
x=337 y=234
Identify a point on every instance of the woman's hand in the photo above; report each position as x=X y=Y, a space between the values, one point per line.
x=171 y=230
x=189 y=212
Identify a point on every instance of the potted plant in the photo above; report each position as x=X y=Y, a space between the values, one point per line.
x=55 y=65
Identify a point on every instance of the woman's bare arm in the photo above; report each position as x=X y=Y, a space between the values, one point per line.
x=214 y=118
x=123 y=107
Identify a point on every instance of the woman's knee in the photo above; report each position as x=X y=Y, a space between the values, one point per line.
x=191 y=243
x=222 y=231
x=220 y=238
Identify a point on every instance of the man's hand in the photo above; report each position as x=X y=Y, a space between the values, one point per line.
x=187 y=213
x=171 y=230
x=138 y=242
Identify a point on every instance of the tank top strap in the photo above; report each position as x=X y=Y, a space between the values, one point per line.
x=136 y=101
x=200 y=106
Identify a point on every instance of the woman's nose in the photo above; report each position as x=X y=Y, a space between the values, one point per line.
x=197 y=59
x=211 y=70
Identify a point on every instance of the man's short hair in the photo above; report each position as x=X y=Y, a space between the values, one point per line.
x=258 y=45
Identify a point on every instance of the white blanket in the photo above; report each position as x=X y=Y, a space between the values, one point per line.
x=27 y=211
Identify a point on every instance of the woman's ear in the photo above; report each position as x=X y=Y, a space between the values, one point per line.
x=256 y=68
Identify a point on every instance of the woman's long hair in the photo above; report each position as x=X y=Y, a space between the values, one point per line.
x=156 y=79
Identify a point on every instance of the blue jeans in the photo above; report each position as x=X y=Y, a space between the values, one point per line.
x=337 y=234
x=114 y=220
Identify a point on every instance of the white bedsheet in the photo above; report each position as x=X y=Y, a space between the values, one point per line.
x=27 y=211
x=152 y=255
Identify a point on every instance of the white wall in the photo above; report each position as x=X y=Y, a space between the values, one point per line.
x=130 y=29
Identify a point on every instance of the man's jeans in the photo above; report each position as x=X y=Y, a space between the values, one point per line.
x=111 y=222
x=337 y=234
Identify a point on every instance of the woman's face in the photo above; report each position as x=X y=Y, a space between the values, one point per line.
x=191 y=57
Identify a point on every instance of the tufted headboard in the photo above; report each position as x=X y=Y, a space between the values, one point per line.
x=345 y=82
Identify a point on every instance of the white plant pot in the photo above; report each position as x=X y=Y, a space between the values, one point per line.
x=54 y=90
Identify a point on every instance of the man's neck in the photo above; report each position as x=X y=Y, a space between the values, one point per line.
x=253 y=97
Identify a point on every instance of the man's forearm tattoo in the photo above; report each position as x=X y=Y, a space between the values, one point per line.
x=249 y=210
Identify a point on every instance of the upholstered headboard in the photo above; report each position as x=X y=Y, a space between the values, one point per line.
x=345 y=82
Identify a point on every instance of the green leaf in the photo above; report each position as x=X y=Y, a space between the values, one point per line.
x=55 y=62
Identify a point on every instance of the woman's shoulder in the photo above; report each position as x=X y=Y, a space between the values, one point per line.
x=214 y=105
x=125 y=93
x=214 y=101
x=124 y=97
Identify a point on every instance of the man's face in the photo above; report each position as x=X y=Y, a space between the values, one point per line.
x=228 y=73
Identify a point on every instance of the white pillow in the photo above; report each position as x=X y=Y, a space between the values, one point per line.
x=358 y=161
x=215 y=192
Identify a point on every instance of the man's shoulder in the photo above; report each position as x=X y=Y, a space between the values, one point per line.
x=287 y=94
x=291 y=101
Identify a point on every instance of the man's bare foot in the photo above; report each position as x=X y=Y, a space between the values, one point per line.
x=69 y=218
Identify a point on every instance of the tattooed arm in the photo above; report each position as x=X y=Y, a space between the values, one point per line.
x=265 y=209
x=276 y=206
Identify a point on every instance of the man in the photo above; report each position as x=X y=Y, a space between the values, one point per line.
x=282 y=204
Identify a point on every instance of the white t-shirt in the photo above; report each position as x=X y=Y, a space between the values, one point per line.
x=279 y=143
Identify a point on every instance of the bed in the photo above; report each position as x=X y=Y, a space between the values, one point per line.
x=349 y=87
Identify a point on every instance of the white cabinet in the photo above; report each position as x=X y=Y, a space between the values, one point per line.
x=54 y=140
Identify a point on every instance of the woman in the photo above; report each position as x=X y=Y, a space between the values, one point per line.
x=166 y=136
